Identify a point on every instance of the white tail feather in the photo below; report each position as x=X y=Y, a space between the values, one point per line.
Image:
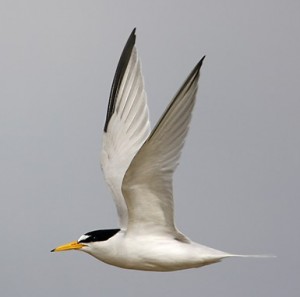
x=253 y=256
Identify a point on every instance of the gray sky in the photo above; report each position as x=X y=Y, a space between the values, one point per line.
x=237 y=187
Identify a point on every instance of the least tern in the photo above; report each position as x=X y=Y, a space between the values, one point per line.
x=138 y=165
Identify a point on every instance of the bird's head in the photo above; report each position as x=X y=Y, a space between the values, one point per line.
x=85 y=241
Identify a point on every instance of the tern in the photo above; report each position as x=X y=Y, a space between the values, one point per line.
x=138 y=165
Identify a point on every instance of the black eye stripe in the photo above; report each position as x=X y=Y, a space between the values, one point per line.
x=99 y=235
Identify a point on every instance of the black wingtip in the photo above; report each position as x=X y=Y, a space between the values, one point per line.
x=202 y=59
x=131 y=37
x=198 y=66
x=121 y=68
x=194 y=73
x=196 y=69
x=52 y=250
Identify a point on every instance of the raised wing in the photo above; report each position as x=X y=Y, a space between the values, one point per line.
x=147 y=185
x=127 y=123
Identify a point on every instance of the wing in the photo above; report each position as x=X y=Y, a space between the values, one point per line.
x=147 y=185
x=127 y=123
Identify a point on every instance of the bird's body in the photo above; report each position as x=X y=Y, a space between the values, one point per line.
x=154 y=253
x=138 y=166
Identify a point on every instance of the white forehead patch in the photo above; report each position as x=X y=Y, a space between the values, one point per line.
x=83 y=237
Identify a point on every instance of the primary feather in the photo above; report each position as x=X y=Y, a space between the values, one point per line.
x=147 y=185
x=127 y=124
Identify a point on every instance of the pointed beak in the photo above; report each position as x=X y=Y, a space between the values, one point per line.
x=74 y=245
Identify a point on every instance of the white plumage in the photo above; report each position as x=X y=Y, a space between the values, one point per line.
x=138 y=167
x=127 y=130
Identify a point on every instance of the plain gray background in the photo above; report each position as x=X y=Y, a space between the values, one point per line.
x=237 y=187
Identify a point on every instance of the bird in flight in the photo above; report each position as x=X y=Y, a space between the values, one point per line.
x=138 y=165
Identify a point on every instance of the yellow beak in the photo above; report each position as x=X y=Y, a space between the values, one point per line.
x=74 y=245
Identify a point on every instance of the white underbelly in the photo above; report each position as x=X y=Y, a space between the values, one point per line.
x=157 y=254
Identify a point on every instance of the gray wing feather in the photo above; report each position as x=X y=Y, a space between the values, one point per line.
x=147 y=185
x=127 y=124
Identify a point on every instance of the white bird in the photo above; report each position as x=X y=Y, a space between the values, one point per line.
x=138 y=166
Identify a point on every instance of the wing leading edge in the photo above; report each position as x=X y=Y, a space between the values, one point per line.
x=147 y=185
x=127 y=123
